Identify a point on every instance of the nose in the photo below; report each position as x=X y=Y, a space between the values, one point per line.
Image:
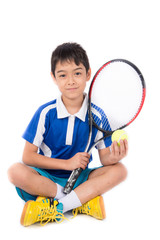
x=71 y=80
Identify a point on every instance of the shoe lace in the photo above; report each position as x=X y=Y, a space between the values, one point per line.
x=83 y=209
x=50 y=214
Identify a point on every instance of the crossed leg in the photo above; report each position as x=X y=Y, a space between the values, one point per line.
x=100 y=181
x=31 y=181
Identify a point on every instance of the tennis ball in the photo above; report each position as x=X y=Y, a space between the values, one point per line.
x=118 y=135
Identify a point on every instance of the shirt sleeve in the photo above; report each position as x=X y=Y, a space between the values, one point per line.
x=35 y=130
x=107 y=141
x=103 y=143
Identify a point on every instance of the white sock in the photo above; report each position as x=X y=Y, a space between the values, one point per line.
x=70 y=201
x=59 y=193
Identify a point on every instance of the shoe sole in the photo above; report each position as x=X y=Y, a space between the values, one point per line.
x=101 y=203
x=22 y=221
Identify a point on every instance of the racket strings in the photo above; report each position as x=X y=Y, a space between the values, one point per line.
x=118 y=90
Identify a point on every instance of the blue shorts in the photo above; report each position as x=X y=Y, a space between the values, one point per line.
x=61 y=181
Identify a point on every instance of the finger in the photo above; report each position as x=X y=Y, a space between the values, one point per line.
x=85 y=159
x=126 y=145
x=116 y=149
x=85 y=154
x=84 y=164
x=122 y=148
x=112 y=149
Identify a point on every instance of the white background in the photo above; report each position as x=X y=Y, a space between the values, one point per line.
x=30 y=30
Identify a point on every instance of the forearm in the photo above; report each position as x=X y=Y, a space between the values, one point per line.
x=31 y=157
x=114 y=154
x=108 y=160
x=37 y=160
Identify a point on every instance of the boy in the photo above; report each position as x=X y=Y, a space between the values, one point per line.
x=55 y=142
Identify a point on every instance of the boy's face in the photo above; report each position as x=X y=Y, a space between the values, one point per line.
x=71 y=79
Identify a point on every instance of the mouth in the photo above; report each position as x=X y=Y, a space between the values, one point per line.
x=71 y=89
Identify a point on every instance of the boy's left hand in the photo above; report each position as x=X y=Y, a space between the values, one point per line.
x=118 y=152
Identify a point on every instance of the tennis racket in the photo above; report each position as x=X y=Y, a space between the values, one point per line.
x=117 y=92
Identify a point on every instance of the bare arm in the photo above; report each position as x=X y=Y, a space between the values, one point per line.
x=109 y=157
x=32 y=158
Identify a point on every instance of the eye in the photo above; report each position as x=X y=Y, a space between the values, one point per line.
x=62 y=76
x=78 y=73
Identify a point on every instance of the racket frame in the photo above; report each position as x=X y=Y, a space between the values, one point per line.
x=75 y=173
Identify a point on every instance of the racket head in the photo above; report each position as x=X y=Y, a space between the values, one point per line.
x=116 y=95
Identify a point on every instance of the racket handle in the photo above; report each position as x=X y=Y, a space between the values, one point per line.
x=72 y=180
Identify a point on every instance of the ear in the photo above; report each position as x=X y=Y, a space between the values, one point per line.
x=54 y=79
x=89 y=74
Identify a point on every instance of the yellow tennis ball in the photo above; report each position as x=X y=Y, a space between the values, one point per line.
x=118 y=135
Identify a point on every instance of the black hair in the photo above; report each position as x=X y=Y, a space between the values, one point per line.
x=69 y=52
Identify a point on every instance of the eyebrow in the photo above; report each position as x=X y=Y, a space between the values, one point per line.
x=61 y=71
x=79 y=68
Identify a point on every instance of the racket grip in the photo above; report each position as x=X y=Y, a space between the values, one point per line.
x=72 y=180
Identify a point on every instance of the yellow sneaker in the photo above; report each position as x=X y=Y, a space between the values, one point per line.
x=40 y=198
x=94 y=208
x=44 y=210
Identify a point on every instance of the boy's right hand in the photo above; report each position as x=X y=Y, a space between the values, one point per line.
x=79 y=160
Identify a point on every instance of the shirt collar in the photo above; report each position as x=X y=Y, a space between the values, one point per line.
x=63 y=113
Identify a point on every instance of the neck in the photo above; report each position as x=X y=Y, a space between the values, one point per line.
x=73 y=106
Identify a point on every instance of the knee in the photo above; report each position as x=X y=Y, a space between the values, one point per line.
x=121 y=171
x=14 y=172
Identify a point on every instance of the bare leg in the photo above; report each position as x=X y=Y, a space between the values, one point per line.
x=30 y=181
x=100 y=181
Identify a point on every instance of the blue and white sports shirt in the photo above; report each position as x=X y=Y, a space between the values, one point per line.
x=61 y=135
